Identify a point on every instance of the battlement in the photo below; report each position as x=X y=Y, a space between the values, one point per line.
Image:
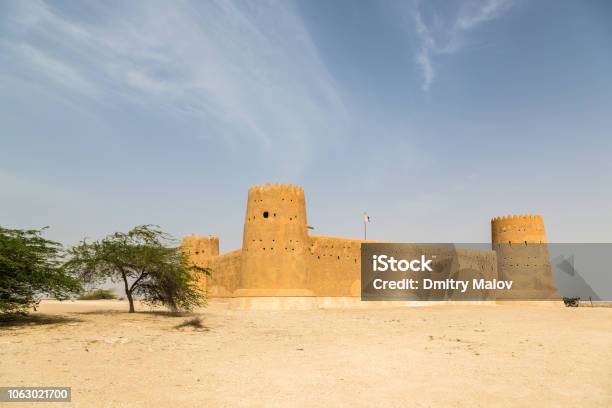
x=524 y=228
x=267 y=187
x=269 y=206
x=207 y=245
x=532 y=217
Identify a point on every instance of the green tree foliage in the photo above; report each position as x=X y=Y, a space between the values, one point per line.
x=31 y=266
x=148 y=263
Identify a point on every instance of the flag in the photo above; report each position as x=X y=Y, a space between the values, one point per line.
x=366 y=217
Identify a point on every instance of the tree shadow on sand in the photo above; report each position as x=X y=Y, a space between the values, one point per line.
x=101 y=312
x=194 y=324
x=161 y=313
x=165 y=313
x=31 y=320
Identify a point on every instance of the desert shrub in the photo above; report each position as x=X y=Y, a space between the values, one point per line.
x=98 y=294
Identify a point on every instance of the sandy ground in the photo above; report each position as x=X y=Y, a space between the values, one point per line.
x=447 y=356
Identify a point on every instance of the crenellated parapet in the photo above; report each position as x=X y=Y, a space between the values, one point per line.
x=289 y=188
x=517 y=229
x=201 y=247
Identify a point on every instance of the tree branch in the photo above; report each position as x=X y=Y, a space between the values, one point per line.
x=142 y=275
x=125 y=282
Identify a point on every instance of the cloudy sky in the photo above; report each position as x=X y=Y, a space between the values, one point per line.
x=431 y=116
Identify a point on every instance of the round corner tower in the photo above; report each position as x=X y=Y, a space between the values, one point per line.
x=522 y=256
x=275 y=242
x=518 y=229
x=200 y=248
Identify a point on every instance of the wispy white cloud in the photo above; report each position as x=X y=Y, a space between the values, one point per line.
x=55 y=70
x=427 y=46
x=448 y=35
x=476 y=13
x=244 y=71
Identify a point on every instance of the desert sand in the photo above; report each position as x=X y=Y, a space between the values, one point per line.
x=440 y=355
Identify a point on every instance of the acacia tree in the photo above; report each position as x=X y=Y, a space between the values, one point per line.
x=148 y=263
x=31 y=266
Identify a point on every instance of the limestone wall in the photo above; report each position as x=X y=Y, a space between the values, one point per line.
x=476 y=264
x=478 y=260
x=225 y=274
x=334 y=266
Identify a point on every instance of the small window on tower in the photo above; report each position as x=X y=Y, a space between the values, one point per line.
x=265 y=214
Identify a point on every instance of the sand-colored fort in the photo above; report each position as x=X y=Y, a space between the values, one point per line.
x=279 y=258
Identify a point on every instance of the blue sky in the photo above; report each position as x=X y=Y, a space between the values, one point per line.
x=432 y=116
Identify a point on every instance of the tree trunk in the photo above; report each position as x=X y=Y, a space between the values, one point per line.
x=128 y=293
x=131 y=300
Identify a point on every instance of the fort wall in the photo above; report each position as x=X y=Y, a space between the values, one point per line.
x=476 y=264
x=334 y=266
x=279 y=259
x=225 y=274
x=522 y=256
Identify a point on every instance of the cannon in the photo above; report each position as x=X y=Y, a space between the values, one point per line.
x=571 y=301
